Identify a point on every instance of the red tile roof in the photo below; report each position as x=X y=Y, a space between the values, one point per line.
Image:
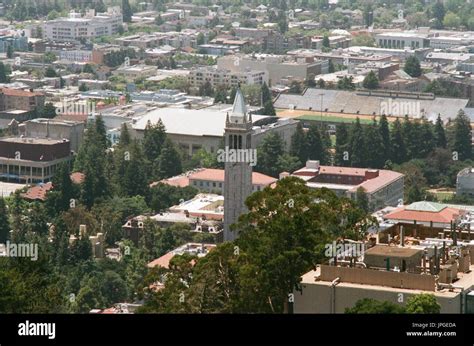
x=212 y=174
x=370 y=184
x=77 y=177
x=38 y=192
x=163 y=261
x=446 y=215
x=18 y=92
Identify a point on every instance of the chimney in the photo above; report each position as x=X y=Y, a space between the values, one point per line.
x=371 y=174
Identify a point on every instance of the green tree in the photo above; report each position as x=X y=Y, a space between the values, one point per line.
x=169 y=162
x=451 y=20
x=295 y=87
x=326 y=42
x=398 y=151
x=134 y=180
x=423 y=304
x=317 y=149
x=462 y=138
x=124 y=136
x=440 y=135
x=371 y=81
x=10 y=52
x=4 y=223
x=268 y=151
x=412 y=66
x=153 y=139
x=299 y=145
x=3 y=74
x=358 y=151
x=331 y=68
x=268 y=108
x=49 y=111
x=266 y=94
x=362 y=199
x=372 y=306
x=342 y=145
x=126 y=11
x=83 y=87
x=205 y=89
x=377 y=157
x=385 y=134
x=50 y=72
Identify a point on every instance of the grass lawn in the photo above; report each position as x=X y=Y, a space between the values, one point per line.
x=333 y=119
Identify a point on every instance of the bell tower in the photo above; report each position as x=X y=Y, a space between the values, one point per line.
x=238 y=173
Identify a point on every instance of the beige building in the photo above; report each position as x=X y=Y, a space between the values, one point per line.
x=408 y=271
x=73 y=131
x=278 y=67
x=136 y=71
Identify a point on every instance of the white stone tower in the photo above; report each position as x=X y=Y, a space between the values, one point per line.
x=238 y=175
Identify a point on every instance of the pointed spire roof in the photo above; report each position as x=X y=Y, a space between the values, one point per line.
x=239 y=108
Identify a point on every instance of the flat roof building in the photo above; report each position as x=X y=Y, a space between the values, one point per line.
x=31 y=160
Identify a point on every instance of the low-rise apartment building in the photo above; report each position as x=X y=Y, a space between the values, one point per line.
x=76 y=28
x=219 y=77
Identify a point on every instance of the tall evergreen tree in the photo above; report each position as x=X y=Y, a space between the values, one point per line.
x=268 y=152
x=126 y=11
x=266 y=95
x=358 y=151
x=153 y=140
x=371 y=81
x=299 y=145
x=385 y=133
x=135 y=178
x=440 y=135
x=462 y=141
x=412 y=66
x=376 y=158
x=4 y=223
x=427 y=139
x=316 y=148
x=3 y=74
x=410 y=137
x=342 y=145
x=398 y=152
x=169 y=161
x=124 y=136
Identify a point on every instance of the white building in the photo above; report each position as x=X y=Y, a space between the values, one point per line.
x=75 y=55
x=223 y=77
x=465 y=182
x=74 y=28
